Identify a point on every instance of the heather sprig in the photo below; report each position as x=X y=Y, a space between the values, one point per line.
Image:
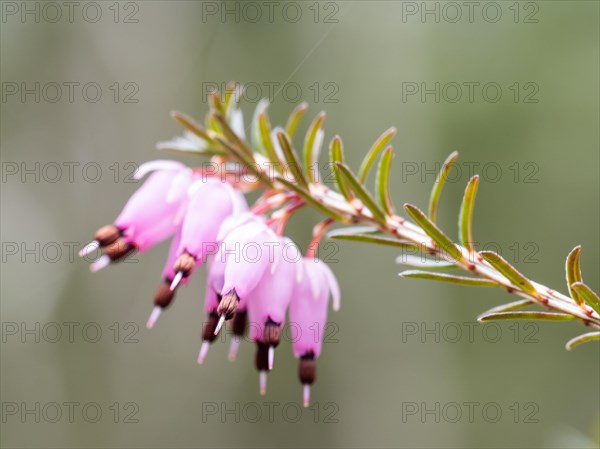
x=271 y=159
x=205 y=213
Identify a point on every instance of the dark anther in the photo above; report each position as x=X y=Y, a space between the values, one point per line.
x=307 y=369
x=262 y=357
x=119 y=249
x=164 y=296
x=240 y=321
x=107 y=235
x=208 y=331
x=272 y=335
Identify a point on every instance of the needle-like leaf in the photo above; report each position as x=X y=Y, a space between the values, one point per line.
x=580 y=339
x=295 y=118
x=466 y=213
x=588 y=295
x=244 y=160
x=308 y=198
x=422 y=262
x=255 y=133
x=441 y=240
x=291 y=159
x=360 y=191
x=192 y=125
x=371 y=238
x=312 y=146
x=509 y=272
x=336 y=154
x=526 y=315
x=573 y=269
x=436 y=191
x=265 y=137
x=373 y=153
x=232 y=136
x=382 y=184
x=417 y=274
x=509 y=306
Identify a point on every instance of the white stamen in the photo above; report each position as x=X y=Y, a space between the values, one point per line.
x=153 y=317
x=306 y=395
x=220 y=324
x=102 y=262
x=203 y=351
x=92 y=246
x=176 y=280
x=271 y=357
x=262 y=382
x=234 y=348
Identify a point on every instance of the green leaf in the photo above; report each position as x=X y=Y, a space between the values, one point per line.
x=192 y=125
x=360 y=191
x=255 y=133
x=373 y=153
x=265 y=137
x=417 y=274
x=295 y=118
x=382 y=184
x=233 y=93
x=248 y=163
x=214 y=102
x=526 y=315
x=370 y=238
x=583 y=338
x=573 y=269
x=436 y=191
x=440 y=239
x=312 y=146
x=509 y=306
x=308 y=198
x=588 y=295
x=422 y=262
x=232 y=136
x=350 y=230
x=509 y=272
x=291 y=158
x=466 y=213
x=336 y=154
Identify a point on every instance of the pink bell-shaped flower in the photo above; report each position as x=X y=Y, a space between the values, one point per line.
x=308 y=315
x=151 y=215
x=268 y=303
x=210 y=203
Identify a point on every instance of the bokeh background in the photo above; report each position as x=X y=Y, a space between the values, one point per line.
x=354 y=60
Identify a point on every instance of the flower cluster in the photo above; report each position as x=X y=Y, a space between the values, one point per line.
x=255 y=274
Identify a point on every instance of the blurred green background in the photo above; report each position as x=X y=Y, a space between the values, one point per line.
x=354 y=60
